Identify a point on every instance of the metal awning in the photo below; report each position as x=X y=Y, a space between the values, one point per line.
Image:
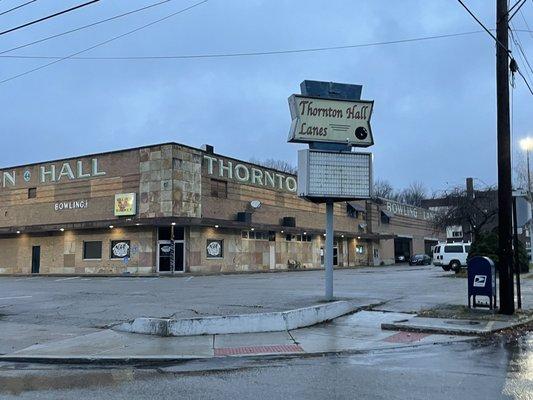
x=387 y=213
x=356 y=206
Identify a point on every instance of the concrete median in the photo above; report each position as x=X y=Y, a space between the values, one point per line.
x=244 y=323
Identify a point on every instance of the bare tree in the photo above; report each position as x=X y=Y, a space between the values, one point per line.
x=382 y=188
x=414 y=194
x=520 y=179
x=473 y=212
x=280 y=165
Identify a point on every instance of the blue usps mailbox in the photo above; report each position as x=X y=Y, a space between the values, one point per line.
x=481 y=281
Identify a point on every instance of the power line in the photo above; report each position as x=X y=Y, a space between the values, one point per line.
x=47 y=17
x=84 y=26
x=104 y=42
x=525 y=22
x=256 y=53
x=521 y=51
x=17 y=7
x=484 y=27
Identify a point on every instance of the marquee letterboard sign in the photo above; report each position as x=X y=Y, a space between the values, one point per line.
x=326 y=120
x=334 y=175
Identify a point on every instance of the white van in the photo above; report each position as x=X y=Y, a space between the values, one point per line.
x=451 y=255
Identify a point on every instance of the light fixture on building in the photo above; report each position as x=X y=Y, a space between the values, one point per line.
x=252 y=229
x=342 y=235
x=216 y=226
x=324 y=235
x=62 y=229
x=111 y=226
x=137 y=224
x=358 y=237
x=282 y=231
x=173 y=224
x=305 y=233
x=18 y=232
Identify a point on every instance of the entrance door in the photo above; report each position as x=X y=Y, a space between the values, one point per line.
x=335 y=255
x=164 y=252
x=179 y=252
x=35 y=259
x=165 y=255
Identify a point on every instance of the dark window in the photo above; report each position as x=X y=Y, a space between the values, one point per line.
x=92 y=250
x=215 y=248
x=179 y=233
x=219 y=189
x=385 y=219
x=453 y=249
x=32 y=193
x=164 y=233
x=120 y=248
x=467 y=249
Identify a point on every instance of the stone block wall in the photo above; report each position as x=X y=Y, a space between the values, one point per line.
x=186 y=182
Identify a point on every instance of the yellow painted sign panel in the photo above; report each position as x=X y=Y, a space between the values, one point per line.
x=125 y=204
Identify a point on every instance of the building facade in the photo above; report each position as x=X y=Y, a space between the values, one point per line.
x=171 y=208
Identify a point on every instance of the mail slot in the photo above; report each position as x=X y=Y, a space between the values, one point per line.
x=481 y=281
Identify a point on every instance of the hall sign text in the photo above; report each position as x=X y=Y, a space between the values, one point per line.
x=250 y=175
x=50 y=173
x=326 y=120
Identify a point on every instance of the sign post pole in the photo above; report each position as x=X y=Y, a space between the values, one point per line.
x=332 y=118
x=328 y=262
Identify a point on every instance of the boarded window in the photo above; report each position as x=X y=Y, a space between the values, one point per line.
x=92 y=250
x=120 y=248
x=219 y=189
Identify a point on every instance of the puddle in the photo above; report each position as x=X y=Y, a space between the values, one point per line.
x=15 y=382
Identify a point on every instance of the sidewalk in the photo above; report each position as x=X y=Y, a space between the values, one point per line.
x=353 y=333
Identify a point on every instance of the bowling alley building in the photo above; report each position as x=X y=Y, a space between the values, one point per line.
x=171 y=208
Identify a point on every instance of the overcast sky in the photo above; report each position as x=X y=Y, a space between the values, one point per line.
x=434 y=117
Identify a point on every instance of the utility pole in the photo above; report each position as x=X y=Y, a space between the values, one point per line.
x=505 y=266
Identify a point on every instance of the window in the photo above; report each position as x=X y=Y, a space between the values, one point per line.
x=457 y=234
x=32 y=193
x=92 y=250
x=467 y=249
x=165 y=232
x=453 y=249
x=120 y=249
x=298 y=238
x=255 y=235
x=214 y=248
x=359 y=249
x=385 y=217
x=219 y=189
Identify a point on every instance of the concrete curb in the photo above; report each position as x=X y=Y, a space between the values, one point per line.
x=158 y=360
x=489 y=328
x=245 y=323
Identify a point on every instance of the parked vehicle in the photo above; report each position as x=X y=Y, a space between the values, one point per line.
x=400 y=258
x=420 y=259
x=451 y=256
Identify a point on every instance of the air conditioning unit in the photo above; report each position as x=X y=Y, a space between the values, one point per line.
x=289 y=222
x=244 y=217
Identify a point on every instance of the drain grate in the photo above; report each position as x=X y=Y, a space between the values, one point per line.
x=279 y=348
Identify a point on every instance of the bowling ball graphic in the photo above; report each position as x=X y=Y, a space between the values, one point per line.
x=361 y=133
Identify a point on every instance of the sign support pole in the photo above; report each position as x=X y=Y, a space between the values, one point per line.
x=329 y=251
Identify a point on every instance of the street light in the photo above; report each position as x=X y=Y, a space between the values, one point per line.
x=527 y=145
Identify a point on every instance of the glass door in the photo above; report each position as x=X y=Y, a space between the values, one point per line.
x=164 y=256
